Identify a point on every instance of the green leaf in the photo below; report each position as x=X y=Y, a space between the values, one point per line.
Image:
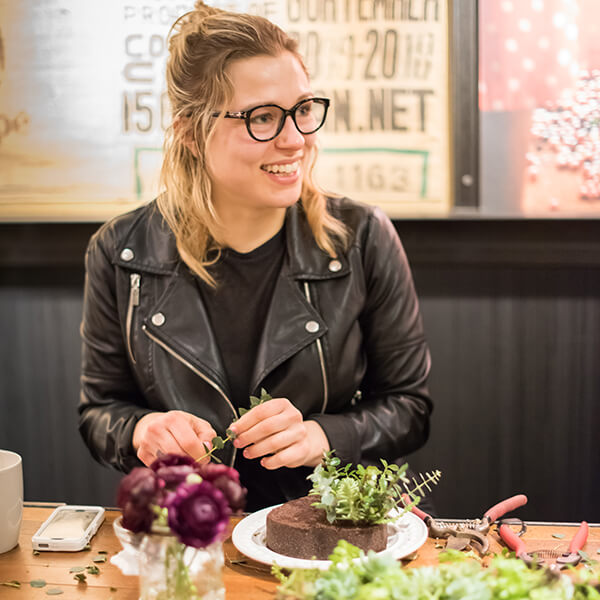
x=54 y=592
x=218 y=443
x=584 y=555
x=93 y=570
x=80 y=577
x=102 y=551
x=37 y=583
x=206 y=448
x=76 y=569
x=13 y=584
x=36 y=552
x=558 y=536
x=242 y=411
x=99 y=559
x=231 y=434
x=86 y=547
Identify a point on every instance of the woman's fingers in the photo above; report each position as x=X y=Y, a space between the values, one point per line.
x=190 y=433
x=175 y=432
x=307 y=451
x=277 y=432
x=277 y=442
x=260 y=413
x=265 y=420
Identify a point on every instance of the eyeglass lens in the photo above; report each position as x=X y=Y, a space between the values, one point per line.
x=266 y=120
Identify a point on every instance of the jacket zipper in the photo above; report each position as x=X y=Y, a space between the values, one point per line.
x=321 y=356
x=134 y=300
x=190 y=366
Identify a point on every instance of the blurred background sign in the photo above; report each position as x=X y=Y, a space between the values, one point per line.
x=83 y=107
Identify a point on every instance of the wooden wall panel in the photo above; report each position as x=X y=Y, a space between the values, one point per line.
x=39 y=388
x=514 y=330
x=516 y=387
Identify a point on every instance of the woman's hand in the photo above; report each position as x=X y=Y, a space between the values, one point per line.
x=175 y=432
x=276 y=431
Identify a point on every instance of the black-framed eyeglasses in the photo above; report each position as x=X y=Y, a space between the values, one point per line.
x=266 y=121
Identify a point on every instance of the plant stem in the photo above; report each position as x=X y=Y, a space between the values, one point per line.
x=210 y=452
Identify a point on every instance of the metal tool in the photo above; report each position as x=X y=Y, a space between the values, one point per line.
x=460 y=534
x=541 y=557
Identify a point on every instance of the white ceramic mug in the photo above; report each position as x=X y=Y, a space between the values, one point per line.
x=11 y=499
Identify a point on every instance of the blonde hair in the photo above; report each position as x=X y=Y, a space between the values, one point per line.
x=202 y=44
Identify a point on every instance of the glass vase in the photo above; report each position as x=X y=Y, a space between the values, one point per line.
x=170 y=570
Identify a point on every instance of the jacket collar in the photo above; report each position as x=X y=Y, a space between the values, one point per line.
x=152 y=245
x=285 y=331
x=307 y=261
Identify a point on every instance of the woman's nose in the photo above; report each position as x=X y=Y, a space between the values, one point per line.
x=289 y=136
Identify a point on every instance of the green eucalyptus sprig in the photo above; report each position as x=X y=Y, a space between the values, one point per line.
x=365 y=494
x=218 y=443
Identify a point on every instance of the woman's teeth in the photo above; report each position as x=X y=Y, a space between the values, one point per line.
x=284 y=169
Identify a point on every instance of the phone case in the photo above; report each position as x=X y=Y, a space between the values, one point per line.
x=69 y=528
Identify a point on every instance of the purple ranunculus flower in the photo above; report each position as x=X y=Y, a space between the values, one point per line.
x=172 y=460
x=136 y=494
x=173 y=476
x=198 y=513
x=227 y=480
x=210 y=471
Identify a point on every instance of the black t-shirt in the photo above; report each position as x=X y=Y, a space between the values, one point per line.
x=237 y=309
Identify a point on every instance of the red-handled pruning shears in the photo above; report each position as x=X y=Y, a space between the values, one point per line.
x=539 y=557
x=469 y=532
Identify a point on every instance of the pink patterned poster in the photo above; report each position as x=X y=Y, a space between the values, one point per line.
x=540 y=79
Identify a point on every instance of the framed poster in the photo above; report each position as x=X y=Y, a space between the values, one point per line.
x=83 y=106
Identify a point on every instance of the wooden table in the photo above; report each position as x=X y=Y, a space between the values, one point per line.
x=243 y=577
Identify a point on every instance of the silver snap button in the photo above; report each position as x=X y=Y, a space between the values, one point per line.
x=311 y=326
x=335 y=266
x=127 y=254
x=158 y=319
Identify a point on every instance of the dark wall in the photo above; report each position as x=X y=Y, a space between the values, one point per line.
x=512 y=313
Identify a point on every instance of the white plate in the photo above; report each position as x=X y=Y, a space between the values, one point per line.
x=406 y=536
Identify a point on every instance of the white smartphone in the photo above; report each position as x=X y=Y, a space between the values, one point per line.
x=68 y=528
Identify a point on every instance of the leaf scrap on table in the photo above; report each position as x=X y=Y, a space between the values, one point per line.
x=13 y=584
x=76 y=569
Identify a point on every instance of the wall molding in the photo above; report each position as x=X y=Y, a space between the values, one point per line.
x=454 y=241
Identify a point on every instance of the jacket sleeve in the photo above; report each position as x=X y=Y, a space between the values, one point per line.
x=110 y=402
x=390 y=418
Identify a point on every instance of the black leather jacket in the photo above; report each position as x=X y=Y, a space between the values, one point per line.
x=343 y=339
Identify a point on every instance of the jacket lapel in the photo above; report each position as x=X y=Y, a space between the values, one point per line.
x=289 y=325
x=185 y=327
x=178 y=320
x=285 y=330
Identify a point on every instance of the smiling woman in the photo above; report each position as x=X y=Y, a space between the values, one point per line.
x=271 y=172
x=243 y=275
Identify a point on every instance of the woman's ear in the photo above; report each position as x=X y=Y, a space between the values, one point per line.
x=183 y=130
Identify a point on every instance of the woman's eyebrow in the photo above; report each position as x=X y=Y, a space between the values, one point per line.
x=272 y=103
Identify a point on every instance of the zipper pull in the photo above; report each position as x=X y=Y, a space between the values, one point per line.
x=134 y=279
